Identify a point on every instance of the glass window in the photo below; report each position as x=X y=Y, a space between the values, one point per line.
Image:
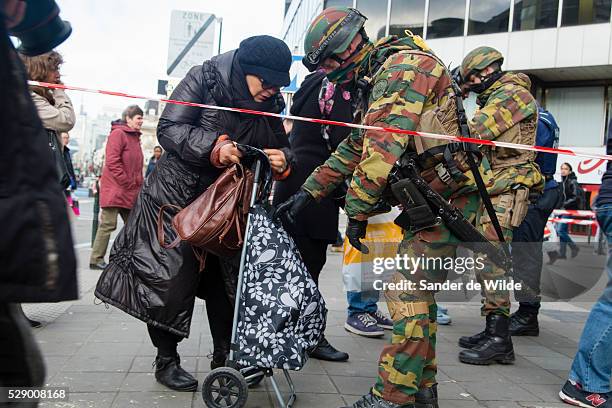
x=577 y=12
x=338 y=3
x=446 y=18
x=586 y=103
x=533 y=14
x=407 y=15
x=489 y=16
x=376 y=12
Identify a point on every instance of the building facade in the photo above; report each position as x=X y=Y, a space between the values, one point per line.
x=565 y=46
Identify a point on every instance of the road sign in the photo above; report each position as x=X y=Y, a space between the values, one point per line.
x=192 y=37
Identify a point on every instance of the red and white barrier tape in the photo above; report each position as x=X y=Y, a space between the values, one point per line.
x=578 y=213
x=571 y=221
x=336 y=123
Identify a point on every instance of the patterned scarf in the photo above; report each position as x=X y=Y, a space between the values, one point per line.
x=346 y=72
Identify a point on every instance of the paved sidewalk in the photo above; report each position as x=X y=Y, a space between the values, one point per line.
x=104 y=356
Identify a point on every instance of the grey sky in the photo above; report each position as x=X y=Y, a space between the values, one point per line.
x=122 y=45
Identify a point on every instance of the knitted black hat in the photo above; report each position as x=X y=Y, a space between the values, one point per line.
x=266 y=57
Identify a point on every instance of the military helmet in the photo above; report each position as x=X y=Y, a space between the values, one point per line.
x=478 y=59
x=331 y=33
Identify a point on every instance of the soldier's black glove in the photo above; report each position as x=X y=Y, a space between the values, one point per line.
x=293 y=205
x=355 y=230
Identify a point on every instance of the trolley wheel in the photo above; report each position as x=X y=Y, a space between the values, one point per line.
x=224 y=387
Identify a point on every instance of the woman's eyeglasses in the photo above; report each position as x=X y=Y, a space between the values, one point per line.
x=266 y=85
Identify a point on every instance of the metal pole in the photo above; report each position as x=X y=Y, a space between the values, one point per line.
x=243 y=260
x=220 y=20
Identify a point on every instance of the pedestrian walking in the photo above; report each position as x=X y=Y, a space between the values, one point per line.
x=157 y=152
x=158 y=285
x=121 y=179
x=589 y=378
x=570 y=190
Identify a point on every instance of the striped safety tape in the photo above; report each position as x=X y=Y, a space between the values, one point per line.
x=336 y=123
x=573 y=222
x=578 y=213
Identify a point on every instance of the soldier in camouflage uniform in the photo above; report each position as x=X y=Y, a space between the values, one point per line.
x=410 y=85
x=508 y=113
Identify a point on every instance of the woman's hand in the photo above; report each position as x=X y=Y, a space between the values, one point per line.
x=277 y=158
x=229 y=154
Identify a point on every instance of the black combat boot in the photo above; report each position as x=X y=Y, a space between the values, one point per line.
x=168 y=372
x=427 y=397
x=524 y=324
x=497 y=345
x=472 y=341
x=372 y=401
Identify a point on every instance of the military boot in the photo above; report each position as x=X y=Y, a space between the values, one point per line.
x=168 y=371
x=496 y=347
x=427 y=397
x=372 y=401
x=524 y=324
x=472 y=341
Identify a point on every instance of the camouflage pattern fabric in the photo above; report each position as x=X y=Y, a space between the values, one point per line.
x=504 y=105
x=408 y=363
x=406 y=86
x=478 y=59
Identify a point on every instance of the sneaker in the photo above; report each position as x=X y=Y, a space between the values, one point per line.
x=364 y=325
x=572 y=394
x=443 y=318
x=382 y=320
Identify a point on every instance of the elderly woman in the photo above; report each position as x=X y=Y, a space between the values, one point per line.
x=159 y=286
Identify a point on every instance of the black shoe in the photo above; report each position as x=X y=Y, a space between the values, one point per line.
x=34 y=323
x=575 y=251
x=427 y=397
x=218 y=360
x=168 y=372
x=372 y=401
x=327 y=352
x=497 y=346
x=469 y=342
x=100 y=265
x=552 y=257
x=572 y=394
x=524 y=324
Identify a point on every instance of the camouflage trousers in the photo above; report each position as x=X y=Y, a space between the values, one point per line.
x=408 y=363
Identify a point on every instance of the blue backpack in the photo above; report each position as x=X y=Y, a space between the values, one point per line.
x=547 y=136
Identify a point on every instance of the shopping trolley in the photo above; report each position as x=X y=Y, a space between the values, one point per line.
x=227 y=387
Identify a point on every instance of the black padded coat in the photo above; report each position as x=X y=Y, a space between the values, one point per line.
x=158 y=285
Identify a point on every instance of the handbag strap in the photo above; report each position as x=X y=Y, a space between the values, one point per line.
x=160 y=228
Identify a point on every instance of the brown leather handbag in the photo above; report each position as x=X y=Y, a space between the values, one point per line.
x=215 y=222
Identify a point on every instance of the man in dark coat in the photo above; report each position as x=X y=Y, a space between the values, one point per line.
x=37 y=261
x=312 y=144
x=159 y=285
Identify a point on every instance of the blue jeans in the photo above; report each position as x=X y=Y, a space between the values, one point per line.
x=592 y=365
x=564 y=237
x=362 y=302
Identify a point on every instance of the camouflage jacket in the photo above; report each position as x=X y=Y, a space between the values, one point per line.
x=508 y=113
x=404 y=87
